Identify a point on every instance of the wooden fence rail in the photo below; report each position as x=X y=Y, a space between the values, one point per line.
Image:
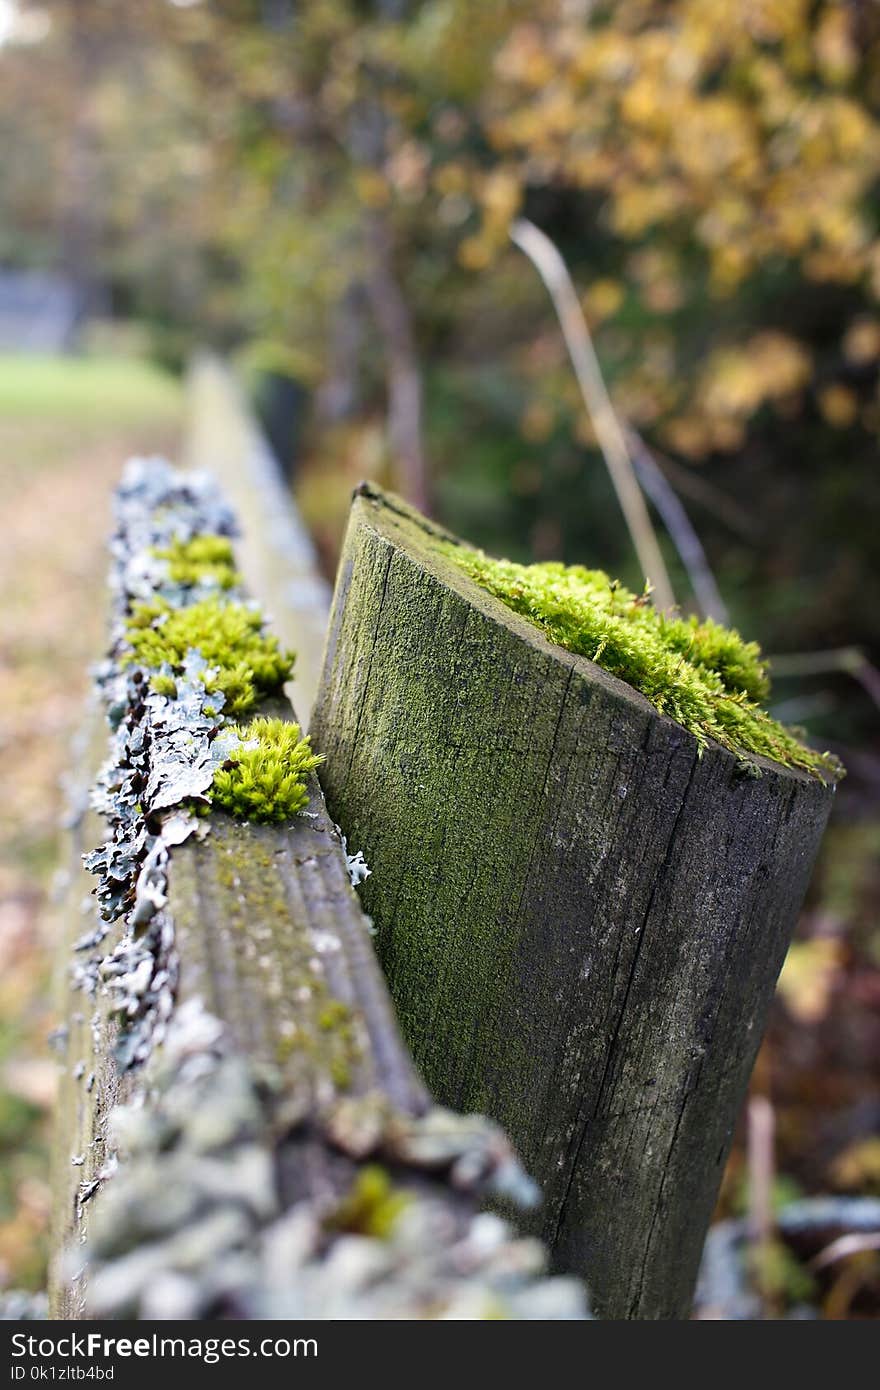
x=241 y=1131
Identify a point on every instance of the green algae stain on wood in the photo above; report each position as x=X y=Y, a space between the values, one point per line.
x=580 y=911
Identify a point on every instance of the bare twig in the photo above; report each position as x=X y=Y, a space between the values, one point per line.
x=844 y=1246
x=392 y=314
x=677 y=522
x=554 y=272
x=761 y=1165
x=715 y=500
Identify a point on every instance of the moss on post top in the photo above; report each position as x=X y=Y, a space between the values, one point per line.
x=703 y=676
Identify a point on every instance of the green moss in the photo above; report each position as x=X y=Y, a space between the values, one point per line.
x=164 y=685
x=201 y=560
x=371 y=1206
x=286 y=1047
x=267 y=782
x=334 y=1015
x=340 y=1074
x=230 y=637
x=704 y=676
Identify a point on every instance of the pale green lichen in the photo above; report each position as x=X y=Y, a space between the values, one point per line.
x=247 y=662
x=266 y=782
x=704 y=676
x=205 y=559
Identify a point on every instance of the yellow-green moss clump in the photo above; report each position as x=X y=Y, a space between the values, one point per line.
x=201 y=560
x=266 y=782
x=249 y=662
x=700 y=674
x=371 y=1206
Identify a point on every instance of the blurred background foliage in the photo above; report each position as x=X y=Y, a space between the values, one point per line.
x=325 y=189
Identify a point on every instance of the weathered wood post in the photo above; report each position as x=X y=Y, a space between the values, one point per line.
x=580 y=919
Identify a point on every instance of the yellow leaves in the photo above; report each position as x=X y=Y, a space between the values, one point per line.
x=834 y=46
x=773 y=21
x=499 y=193
x=657 y=273
x=645 y=103
x=858 y=1167
x=371 y=188
x=853 y=133
x=734 y=384
x=730 y=266
x=861 y=343
x=808 y=977
x=474 y=253
x=639 y=205
x=606 y=55
x=524 y=59
x=839 y=405
x=727 y=119
x=737 y=381
x=602 y=300
x=694 y=436
x=452 y=178
x=716 y=139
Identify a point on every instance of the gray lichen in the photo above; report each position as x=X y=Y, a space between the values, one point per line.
x=163 y=756
x=195 y=1216
x=195 y=1224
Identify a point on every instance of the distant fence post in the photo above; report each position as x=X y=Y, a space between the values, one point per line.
x=581 y=921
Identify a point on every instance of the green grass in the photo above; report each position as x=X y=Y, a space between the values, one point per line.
x=85 y=390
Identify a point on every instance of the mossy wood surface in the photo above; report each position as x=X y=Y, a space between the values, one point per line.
x=581 y=921
x=249 y=903
x=272 y=939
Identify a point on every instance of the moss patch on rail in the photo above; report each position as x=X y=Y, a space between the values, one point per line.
x=704 y=676
x=204 y=560
x=247 y=662
x=266 y=779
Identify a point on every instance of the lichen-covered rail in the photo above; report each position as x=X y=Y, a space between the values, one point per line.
x=241 y=1131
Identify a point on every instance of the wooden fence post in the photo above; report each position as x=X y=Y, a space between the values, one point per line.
x=581 y=921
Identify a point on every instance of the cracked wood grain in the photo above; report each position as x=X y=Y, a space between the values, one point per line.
x=581 y=921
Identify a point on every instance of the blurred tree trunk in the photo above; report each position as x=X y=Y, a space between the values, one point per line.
x=403 y=371
x=368 y=147
x=338 y=396
x=81 y=215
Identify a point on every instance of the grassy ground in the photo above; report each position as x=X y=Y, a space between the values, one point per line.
x=65 y=428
